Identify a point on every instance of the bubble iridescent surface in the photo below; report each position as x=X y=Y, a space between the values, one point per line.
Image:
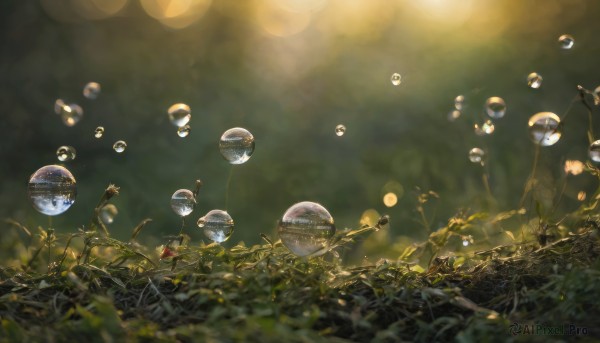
x=66 y=153
x=71 y=114
x=340 y=130
x=91 y=90
x=459 y=102
x=476 y=155
x=534 y=80
x=108 y=213
x=217 y=225
x=594 y=151
x=99 y=132
x=396 y=79
x=236 y=145
x=120 y=146
x=306 y=228
x=184 y=131
x=52 y=190
x=495 y=107
x=183 y=202
x=544 y=128
x=179 y=114
x=566 y=42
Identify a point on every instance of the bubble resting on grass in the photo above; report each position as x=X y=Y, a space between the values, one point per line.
x=305 y=229
x=217 y=225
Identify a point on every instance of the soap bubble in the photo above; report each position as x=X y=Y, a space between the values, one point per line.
x=340 y=130
x=566 y=42
x=120 y=146
x=66 y=153
x=305 y=229
x=183 y=202
x=217 y=225
x=476 y=155
x=495 y=107
x=179 y=114
x=459 y=102
x=99 y=132
x=108 y=213
x=184 y=131
x=534 y=80
x=544 y=128
x=71 y=114
x=91 y=90
x=52 y=190
x=236 y=145
x=396 y=79
x=594 y=151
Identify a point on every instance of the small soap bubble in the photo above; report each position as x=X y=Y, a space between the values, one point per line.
x=71 y=114
x=108 y=213
x=544 y=128
x=495 y=107
x=453 y=115
x=396 y=79
x=99 y=132
x=487 y=128
x=566 y=42
x=306 y=228
x=236 y=145
x=52 y=190
x=390 y=199
x=66 y=153
x=183 y=202
x=534 y=80
x=179 y=114
x=91 y=90
x=581 y=196
x=594 y=151
x=340 y=130
x=120 y=146
x=476 y=155
x=217 y=225
x=58 y=105
x=184 y=131
x=459 y=102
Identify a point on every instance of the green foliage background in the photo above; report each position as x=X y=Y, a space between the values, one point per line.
x=291 y=92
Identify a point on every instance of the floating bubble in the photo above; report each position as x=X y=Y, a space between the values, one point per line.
x=476 y=155
x=487 y=128
x=390 y=199
x=183 y=202
x=52 y=190
x=581 y=196
x=99 y=132
x=108 y=213
x=66 y=153
x=566 y=42
x=453 y=115
x=594 y=151
x=91 y=90
x=495 y=107
x=179 y=114
x=184 y=131
x=544 y=128
x=306 y=228
x=459 y=102
x=396 y=79
x=217 y=225
x=120 y=146
x=58 y=105
x=236 y=145
x=340 y=130
x=534 y=80
x=71 y=114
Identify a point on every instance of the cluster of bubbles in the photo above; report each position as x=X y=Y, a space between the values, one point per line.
x=180 y=115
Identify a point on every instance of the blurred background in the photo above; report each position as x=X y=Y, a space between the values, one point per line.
x=289 y=71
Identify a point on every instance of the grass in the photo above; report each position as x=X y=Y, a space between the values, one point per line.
x=89 y=286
